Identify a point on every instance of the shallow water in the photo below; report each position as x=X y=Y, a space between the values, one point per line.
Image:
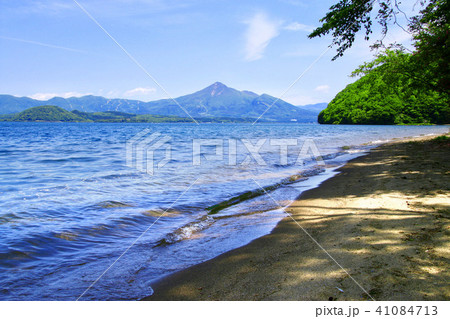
x=70 y=206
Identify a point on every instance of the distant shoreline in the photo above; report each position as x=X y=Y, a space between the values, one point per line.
x=55 y=114
x=216 y=103
x=384 y=219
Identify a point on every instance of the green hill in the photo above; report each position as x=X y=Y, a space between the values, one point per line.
x=388 y=93
x=47 y=113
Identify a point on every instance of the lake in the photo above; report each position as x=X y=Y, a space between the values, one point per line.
x=97 y=211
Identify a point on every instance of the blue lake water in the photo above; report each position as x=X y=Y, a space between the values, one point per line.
x=70 y=206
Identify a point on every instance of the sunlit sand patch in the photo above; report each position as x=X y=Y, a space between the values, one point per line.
x=431 y=270
x=384 y=242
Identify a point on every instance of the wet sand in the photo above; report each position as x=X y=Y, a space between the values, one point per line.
x=378 y=230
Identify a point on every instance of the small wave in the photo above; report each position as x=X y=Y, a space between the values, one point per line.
x=329 y=156
x=311 y=172
x=56 y=160
x=69 y=236
x=115 y=176
x=78 y=233
x=9 y=218
x=7 y=258
x=20 y=217
x=6 y=152
x=264 y=190
x=161 y=213
x=187 y=231
x=245 y=213
x=379 y=142
x=111 y=204
x=356 y=150
x=283 y=165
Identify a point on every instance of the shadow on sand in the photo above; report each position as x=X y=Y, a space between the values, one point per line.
x=384 y=219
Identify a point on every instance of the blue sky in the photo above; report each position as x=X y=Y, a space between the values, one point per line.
x=52 y=47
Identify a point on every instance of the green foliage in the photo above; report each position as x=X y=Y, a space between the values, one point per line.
x=147 y=118
x=104 y=116
x=121 y=117
x=348 y=17
x=46 y=113
x=7 y=117
x=396 y=88
x=390 y=92
x=442 y=139
x=432 y=42
x=345 y=19
x=430 y=30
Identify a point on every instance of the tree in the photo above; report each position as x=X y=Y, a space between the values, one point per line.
x=347 y=17
x=387 y=93
x=431 y=30
x=429 y=64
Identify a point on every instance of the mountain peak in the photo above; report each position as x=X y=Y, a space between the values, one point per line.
x=217 y=88
x=219 y=84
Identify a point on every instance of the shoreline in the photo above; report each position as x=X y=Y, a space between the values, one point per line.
x=383 y=218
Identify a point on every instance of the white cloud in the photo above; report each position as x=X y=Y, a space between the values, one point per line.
x=47 y=96
x=139 y=92
x=258 y=35
x=295 y=26
x=322 y=88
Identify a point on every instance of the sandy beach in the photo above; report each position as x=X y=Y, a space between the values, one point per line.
x=377 y=230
